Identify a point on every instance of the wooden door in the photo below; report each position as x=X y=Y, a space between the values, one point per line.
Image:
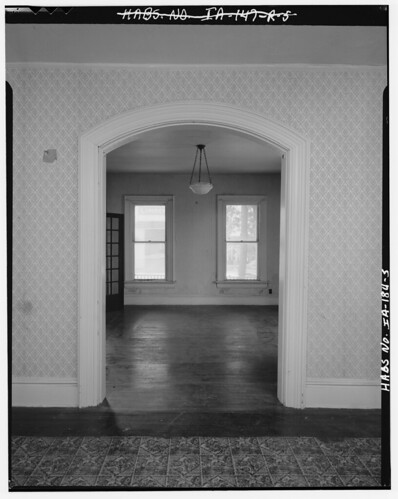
x=114 y=261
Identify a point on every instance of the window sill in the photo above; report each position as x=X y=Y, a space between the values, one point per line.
x=242 y=284
x=149 y=284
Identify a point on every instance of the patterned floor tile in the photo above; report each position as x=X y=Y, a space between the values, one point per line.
x=17 y=481
x=186 y=481
x=23 y=464
x=314 y=464
x=250 y=464
x=79 y=480
x=304 y=445
x=289 y=480
x=113 y=481
x=359 y=481
x=324 y=480
x=363 y=446
x=149 y=464
x=155 y=445
x=86 y=464
x=372 y=463
x=348 y=465
x=35 y=445
x=215 y=446
x=274 y=445
x=95 y=444
x=54 y=464
x=186 y=464
x=189 y=445
x=282 y=464
x=216 y=464
x=195 y=462
x=43 y=480
x=67 y=445
x=149 y=481
x=336 y=447
x=254 y=481
x=247 y=445
x=219 y=481
x=119 y=464
x=16 y=442
x=125 y=445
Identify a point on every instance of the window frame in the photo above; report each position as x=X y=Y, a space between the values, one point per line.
x=130 y=201
x=222 y=202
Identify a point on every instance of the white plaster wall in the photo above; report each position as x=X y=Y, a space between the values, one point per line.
x=195 y=233
x=338 y=108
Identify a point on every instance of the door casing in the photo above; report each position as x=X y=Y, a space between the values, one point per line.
x=293 y=271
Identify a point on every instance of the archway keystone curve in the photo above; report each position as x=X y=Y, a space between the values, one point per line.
x=117 y=131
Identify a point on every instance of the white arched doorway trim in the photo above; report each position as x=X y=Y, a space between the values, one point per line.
x=93 y=147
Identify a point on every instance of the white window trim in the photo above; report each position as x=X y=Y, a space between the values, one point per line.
x=261 y=202
x=129 y=203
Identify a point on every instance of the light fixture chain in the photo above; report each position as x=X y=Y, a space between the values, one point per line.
x=207 y=166
x=200 y=162
x=194 y=164
x=200 y=187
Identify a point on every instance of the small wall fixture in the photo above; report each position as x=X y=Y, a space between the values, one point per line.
x=200 y=187
x=50 y=155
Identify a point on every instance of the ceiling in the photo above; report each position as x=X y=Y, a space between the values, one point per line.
x=172 y=149
x=195 y=44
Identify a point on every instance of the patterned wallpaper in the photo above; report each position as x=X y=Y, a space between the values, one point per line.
x=339 y=109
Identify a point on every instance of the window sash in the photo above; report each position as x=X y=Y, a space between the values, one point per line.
x=142 y=261
x=222 y=202
x=130 y=240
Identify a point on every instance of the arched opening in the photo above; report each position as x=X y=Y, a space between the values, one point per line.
x=95 y=144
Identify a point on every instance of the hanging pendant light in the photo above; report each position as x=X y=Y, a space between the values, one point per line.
x=200 y=187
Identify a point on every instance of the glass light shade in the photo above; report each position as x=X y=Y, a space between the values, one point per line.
x=201 y=187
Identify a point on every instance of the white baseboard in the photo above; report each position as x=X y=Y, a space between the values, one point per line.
x=344 y=393
x=198 y=300
x=333 y=393
x=44 y=392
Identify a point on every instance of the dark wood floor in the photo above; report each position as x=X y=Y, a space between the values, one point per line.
x=192 y=358
x=193 y=371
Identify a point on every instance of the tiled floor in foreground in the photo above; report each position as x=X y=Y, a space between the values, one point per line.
x=195 y=462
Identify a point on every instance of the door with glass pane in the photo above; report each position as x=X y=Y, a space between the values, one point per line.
x=114 y=261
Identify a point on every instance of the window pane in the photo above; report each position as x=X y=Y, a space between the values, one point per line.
x=115 y=288
x=150 y=223
x=241 y=222
x=115 y=236
x=115 y=223
x=241 y=261
x=149 y=261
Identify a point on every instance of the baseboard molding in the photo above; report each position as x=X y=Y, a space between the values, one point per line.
x=44 y=392
x=198 y=300
x=344 y=393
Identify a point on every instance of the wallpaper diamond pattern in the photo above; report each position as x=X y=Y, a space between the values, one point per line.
x=338 y=109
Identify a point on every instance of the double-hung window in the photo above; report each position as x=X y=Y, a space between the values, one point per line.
x=149 y=238
x=241 y=226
